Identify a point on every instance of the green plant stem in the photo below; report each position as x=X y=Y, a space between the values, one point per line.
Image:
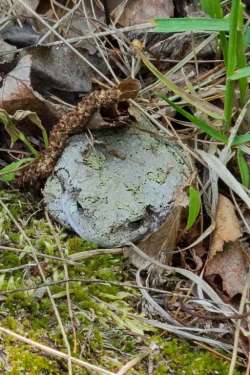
x=243 y=168
x=218 y=13
x=214 y=9
x=231 y=61
x=241 y=57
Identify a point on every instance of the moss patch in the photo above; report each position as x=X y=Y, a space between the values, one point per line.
x=104 y=316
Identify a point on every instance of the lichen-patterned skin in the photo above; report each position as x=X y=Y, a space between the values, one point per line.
x=73 y=123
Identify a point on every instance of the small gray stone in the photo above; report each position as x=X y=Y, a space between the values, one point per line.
x=119 y=189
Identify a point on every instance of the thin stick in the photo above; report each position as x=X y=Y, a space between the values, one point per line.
x=85 y=281
x=12 y=269
x=53 y=257
x=77 y=39
x=90 y=253
x=248 y=365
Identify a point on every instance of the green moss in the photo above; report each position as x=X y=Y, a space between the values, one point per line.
x=180 y=358
x=9 y=259
x=11 y=323
x=76 y=244
x=22 y=360
x=106 y=332
x=21 y=300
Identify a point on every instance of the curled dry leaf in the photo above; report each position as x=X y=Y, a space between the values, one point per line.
x=231 y=266
x=228 y=261
x=227 y=227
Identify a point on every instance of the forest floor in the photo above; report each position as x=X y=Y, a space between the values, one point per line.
x=68 y=306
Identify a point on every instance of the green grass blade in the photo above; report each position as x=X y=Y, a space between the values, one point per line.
x=192 y=99
x=241 y=57
x=7 y=173
x=241 y=139
x=240 y=73
x=194 y=206
x=212 y=8
x=176 y=25
x=201 y=124
x=247 y=37
x=231 y=61
x=215 y=10
x=244 y=168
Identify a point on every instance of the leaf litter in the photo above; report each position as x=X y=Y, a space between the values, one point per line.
x=93 y=314
x=227 y=226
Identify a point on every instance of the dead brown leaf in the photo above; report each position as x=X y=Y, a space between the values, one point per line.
x=231 y=266
x=227 y=227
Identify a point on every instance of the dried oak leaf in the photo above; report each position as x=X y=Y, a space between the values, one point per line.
x=231 y=266
x=227 y=226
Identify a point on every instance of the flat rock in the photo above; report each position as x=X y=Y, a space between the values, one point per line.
x=119 y=188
